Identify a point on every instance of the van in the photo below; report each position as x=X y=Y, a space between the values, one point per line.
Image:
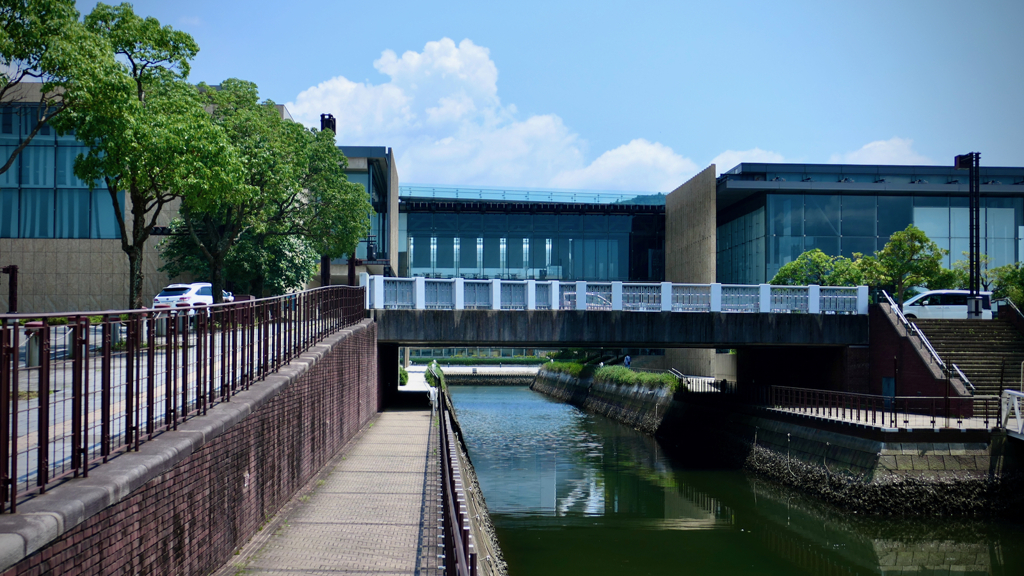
x=945 y=304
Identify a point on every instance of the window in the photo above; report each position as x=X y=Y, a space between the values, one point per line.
x=8 y=213
x=73 y=213
x=37 y=213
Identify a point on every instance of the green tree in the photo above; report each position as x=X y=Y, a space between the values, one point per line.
x=149 y=133
x=1009 y=282
x=257 y=264
x=816 y=267
x=292 y=184
x=908 y=259
x=44 y=51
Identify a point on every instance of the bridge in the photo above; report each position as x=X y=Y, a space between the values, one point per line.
x=468 y=312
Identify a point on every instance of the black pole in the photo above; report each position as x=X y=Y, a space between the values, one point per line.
x=972 y=162
x=12 y=300
x=327 y=122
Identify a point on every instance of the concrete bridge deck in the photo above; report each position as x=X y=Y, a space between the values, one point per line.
x=372 y=510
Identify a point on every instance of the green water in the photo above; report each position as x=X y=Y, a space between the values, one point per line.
x=574 y=493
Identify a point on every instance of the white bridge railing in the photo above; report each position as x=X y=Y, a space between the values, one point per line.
x=462 y=294
x=1011 y=412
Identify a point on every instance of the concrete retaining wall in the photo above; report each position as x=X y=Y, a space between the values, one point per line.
x=189 y=498
x=853 y=471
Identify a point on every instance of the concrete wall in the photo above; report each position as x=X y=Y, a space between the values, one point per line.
x=690 y=254
x=79 y=274
x=190 y=497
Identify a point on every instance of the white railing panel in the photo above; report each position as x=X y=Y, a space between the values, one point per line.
x=789 y=299
x=599 y=296
x=398 y=293
x=513 y=295
x=477 y=294
x=737 y=298
x=691 y=298
x=567 y=296
x=838 y=300
x=544 y=296
x=440 y=295
x=1010 y=416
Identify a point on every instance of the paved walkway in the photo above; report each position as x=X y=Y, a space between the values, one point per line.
x=371 y=511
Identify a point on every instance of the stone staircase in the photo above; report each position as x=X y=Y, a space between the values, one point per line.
x=989 y=352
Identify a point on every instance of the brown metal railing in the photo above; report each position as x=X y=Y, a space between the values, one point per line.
x=892 y=412
x=460 y=558
x=78 y=393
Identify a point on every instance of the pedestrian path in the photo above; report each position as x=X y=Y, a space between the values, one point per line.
x=372 y=510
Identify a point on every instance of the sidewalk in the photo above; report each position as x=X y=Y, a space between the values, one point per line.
x=371 y=511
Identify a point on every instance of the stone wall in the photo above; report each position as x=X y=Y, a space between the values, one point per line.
x=856 y=468
x=189 y=498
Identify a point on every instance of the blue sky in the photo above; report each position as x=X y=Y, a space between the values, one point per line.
x=619 y=96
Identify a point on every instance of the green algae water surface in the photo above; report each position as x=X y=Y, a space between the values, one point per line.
x=574 y=493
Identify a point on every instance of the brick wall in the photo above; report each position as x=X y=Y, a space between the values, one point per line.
x=190 y=518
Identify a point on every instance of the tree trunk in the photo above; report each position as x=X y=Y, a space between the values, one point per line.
x=134 y=277
x=217 y=279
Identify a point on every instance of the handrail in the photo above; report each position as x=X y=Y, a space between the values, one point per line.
x=928 y=344
x=964 y=378
x=896 y=309
x=116 y=379
x=460 y=557
x=912 y=328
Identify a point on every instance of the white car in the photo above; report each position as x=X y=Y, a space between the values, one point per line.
x=195 y=294
x=945 y=304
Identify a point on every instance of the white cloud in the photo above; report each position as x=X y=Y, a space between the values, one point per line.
x=730 y=158
x=892 y=151
x=441 y=112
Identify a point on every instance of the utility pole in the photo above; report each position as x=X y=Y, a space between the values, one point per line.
x=327 y=122
x=972 y=162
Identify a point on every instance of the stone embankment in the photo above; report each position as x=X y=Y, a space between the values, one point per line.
x=489 y=375
x=852 y=469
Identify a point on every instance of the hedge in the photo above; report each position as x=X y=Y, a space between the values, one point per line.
x=467 y=361
x=619 y=375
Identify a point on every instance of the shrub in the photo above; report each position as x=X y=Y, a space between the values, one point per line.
x=464 y=361
x=618 y=375
x=403 y=376
x=437 y=381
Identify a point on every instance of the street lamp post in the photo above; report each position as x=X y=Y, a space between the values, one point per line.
x=972 y=161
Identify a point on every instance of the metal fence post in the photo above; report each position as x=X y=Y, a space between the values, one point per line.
x=616 y=295
x=716 y=297
x=862 y=300
x=581 y=295
x=531 y=294
x=765 y=298
x=814 y=299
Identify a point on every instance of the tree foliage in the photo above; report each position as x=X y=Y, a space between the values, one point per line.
x=1009 y=282
x=46 y=57
x=816 y=267
x=292 y=183
x=149 y=133
x=258 y=264
x=908 y=259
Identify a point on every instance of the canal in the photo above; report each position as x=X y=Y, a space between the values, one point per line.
x=575 y=493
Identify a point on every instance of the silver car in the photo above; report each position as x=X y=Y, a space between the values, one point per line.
x=195 y=294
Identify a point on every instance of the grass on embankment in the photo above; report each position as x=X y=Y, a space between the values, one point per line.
x=437 y=381
x=618 y=375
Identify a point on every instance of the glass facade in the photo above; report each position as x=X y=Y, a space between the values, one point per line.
x=525 y=245
x=40 y=197
x=752 y=247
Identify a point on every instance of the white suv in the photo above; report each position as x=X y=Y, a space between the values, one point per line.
x=195 y=294
x=945 y=304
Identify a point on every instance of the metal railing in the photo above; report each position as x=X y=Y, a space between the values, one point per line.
x=1010 y=407
x=422 y=293
x=108 y=381
x=460 y=557
x=889 y=412
x=964 y=379
x=913 y=330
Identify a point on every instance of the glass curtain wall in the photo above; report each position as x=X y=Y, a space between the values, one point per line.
x=525 y=246
x=741 y=249
x=845 y=224
x=40 y=196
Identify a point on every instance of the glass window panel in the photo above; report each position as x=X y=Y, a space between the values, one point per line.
x=8 y=213
x=467 y=252
x=895 y=213
x=859 y=216
x=545 y=223
x=72 y=213
x=863 y=244
x=595 y=223
x=36 y=214
x=570 y=222
x=931 y=214
x=999 y=218
x=7 y=120
x=492 y=252
x=827 y=244
x=103 y=219
x=445 y=252
x=520 y=223
x=420 y=222
x=959 y=217
x=9 y=178
x=514 y=252
x=421 y=251
x=784 y=249
x=561 y=256
x=37 y=167
x=821 y=215
x=538 y=251
x=66 y=156
x=445 y=222
x=496 y=224
x=619 y=223
x=362 y=178
x=578 y=259
x=1000 y=252
x=471 y=225
x=959 y=249
x=943 y=243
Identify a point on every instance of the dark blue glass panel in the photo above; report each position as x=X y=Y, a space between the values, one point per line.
x=863 y=244
x=8 y=213
x=103 y=220
x=445 y=252
x=827 y=244
x=419 y=222
x=786 y=214
x=859 y=216
x=73 y=213
x=895 y=213
x=445 y=221
x=821 y=215
x=37 y=213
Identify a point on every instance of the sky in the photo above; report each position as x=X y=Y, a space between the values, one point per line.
x=615 y=96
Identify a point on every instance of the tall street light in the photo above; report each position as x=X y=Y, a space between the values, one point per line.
x=972 y=161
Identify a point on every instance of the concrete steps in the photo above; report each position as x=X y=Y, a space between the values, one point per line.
x=989 y=352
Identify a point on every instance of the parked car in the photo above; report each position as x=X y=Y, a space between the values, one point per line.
x=945 y=304
x=195 y=294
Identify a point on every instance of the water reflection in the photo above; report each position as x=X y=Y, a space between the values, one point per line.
x=571 y=492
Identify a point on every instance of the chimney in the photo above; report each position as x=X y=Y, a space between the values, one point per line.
x=327 y=122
